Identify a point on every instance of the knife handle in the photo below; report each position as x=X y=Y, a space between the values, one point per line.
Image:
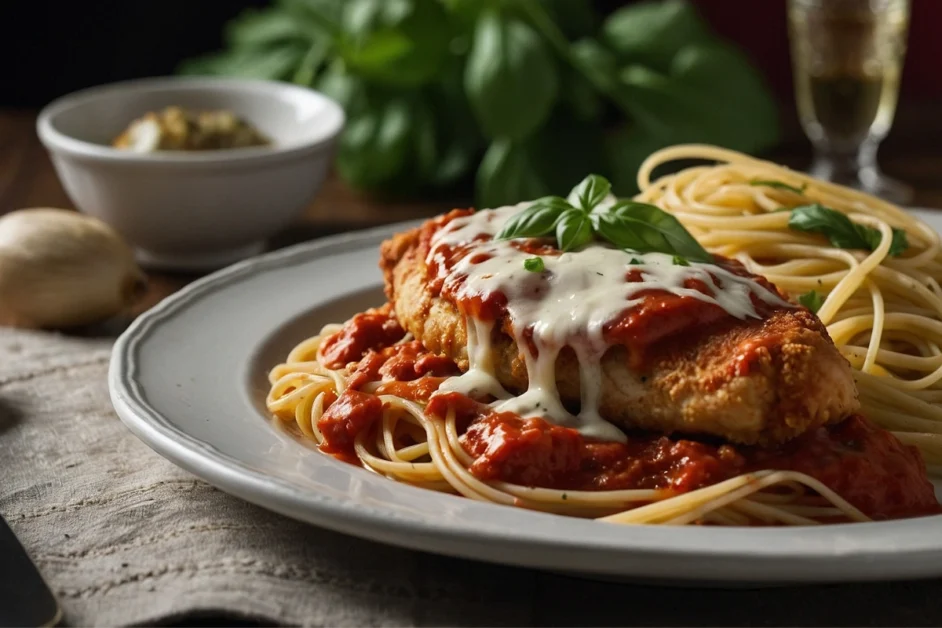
x=25 y=598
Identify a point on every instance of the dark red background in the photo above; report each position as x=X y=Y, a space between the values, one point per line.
x=760 y=27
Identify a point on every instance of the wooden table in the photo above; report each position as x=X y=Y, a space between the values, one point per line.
x=27 y=179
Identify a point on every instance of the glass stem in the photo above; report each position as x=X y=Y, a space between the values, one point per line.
x=844 y=166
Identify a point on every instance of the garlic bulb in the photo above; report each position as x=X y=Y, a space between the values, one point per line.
x=60 y=268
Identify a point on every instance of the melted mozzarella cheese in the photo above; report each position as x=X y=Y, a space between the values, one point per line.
x=567 y=304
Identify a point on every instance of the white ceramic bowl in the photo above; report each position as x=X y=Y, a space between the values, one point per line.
x=193 y=210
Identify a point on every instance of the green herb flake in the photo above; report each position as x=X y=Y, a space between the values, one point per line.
x=635 y=262
x=534 y=264
x=841 y=231
x=811 y=300
x=680 y=261
x=779 y=185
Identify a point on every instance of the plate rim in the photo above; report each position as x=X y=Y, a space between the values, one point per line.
x=860 y=549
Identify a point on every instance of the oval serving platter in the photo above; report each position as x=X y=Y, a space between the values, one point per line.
x=189 y=378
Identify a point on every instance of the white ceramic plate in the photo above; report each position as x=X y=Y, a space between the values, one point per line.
x=189 y=378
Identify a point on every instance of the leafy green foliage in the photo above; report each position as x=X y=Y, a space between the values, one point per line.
x=811 y=300
x=778 y=185
x=521 y=97
x=841 y=231
x=653 y=32
x=396 y=42
x=273 y=64
x=377 y=142
x=692 y=102
x=510 y=77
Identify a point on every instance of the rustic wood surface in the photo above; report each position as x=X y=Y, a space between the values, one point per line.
x=911 y=153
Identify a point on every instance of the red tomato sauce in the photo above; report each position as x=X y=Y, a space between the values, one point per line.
x=406 y=369
x=866 y=465
x=373 y=329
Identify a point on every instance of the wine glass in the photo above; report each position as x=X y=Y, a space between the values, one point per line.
x=847 y=56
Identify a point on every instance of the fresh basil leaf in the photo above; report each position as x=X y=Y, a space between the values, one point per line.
x=778 y=185
x=402 y=43
x=375 y=146
x=590 y=192
x=534 y=264
x=273 y=64
x=533 y=222
x=836 y=226
x=811 y=300
x=347 y=89
x=712 y=71
x=841 y=231
x=653 y=32
x=691 y=103
x=507 y=175
x=645 y=228
x=600 y=67
x=677 y=260
x=899 y=244
x=593 y=58
x=510 y=77
x=325 y=15
x=311 y=63
x=556 y=202
x=573 y=230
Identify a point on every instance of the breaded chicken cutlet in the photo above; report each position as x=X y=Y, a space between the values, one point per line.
x=701 y=371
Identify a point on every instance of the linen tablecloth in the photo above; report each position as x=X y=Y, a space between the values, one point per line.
x=125 y=537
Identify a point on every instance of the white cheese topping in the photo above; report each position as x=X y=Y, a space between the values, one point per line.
x=567 y=304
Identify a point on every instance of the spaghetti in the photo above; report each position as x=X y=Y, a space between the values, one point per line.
x=883 y=312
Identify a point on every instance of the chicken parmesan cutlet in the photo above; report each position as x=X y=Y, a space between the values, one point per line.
x=605 y=340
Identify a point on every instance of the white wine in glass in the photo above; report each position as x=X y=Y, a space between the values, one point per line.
x=847 y=57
